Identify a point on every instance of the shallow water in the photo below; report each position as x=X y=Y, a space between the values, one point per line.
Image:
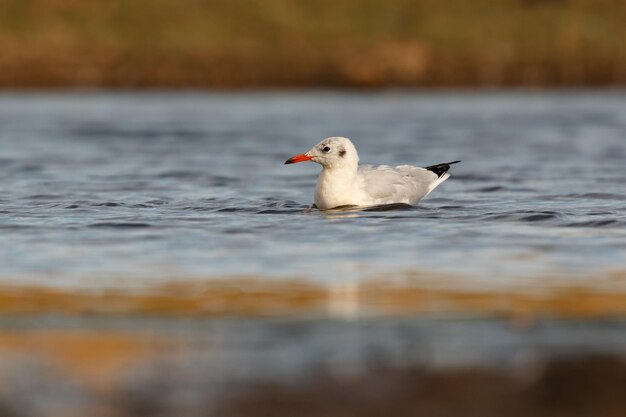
x=98 y=188
x=516 y=260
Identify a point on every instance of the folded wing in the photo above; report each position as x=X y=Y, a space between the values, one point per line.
x=403 y=184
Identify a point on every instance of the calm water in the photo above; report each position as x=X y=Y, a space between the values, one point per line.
x=134 y=190
x=97 y=188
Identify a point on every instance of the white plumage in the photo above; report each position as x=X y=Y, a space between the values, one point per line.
x=343 y=182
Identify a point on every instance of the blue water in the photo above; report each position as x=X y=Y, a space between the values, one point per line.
x=104 y=190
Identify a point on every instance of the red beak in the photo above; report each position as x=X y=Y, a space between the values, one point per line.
x=298 y=158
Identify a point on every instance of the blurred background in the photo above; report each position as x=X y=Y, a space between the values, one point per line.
x=158 y=259
x=279 y=43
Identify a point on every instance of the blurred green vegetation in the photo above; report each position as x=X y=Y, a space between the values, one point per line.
x=304 y=43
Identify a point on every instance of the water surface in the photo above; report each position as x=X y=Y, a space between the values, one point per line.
x=157 y=257
x=120 y=189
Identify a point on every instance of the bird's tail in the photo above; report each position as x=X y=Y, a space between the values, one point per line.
x=441 y=169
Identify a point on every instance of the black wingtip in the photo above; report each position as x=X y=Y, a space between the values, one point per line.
x=441 y=169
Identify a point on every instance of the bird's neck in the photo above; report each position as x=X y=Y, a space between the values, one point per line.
x=340 y=173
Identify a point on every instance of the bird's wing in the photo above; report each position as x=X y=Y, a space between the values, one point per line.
x=402 y=184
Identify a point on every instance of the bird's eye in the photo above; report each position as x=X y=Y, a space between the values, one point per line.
x=326 y=149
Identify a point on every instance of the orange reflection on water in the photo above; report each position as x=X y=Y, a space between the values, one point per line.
x=258 y=297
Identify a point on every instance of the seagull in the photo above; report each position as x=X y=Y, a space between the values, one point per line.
x=343 y=182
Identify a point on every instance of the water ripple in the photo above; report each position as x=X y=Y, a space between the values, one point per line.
x=120 y=225
x=212 y=185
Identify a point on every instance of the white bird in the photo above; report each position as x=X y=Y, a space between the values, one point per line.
x=343 y=182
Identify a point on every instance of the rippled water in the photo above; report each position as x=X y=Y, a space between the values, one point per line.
x=125 y=191
x=97 y=188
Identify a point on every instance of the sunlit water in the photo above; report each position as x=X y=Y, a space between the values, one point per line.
x=127 y=191
x=100 y=188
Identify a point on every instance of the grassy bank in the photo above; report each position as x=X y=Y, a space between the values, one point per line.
x=355 y=43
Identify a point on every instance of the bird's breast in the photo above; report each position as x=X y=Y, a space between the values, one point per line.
x=336 y=190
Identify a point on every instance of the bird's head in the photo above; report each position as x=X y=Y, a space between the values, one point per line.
x=335 y=152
